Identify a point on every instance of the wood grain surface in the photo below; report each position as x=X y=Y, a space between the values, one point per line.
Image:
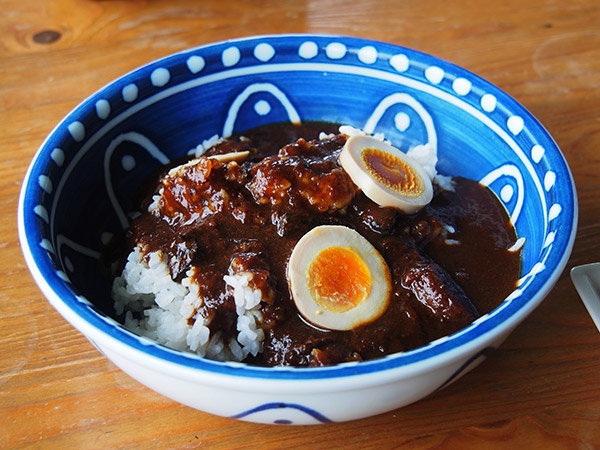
x=541 y=389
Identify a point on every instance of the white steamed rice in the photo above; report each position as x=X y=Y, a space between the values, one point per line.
x=159 y=308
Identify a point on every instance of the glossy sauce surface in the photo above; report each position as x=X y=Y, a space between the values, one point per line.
x=449 y=263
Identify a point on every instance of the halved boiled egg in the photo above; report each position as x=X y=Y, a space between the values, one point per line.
x=338 y=280
x=385 y=174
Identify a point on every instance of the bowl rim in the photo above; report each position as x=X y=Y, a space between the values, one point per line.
x=471 y=339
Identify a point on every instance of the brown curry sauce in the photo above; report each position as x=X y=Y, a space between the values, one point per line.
x=449 y=263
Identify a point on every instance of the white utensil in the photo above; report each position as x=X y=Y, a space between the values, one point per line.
x=586 y=279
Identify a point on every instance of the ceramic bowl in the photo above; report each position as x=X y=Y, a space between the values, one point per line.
x=80 y=187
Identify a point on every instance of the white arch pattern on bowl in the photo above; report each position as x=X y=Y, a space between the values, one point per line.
x=151 y=150
x=254 y=88
x=409 y=100
x=510 y=171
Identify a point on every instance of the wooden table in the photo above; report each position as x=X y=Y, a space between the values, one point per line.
x=540 y=390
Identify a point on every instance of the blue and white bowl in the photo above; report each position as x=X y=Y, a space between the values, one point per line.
x=80 y=187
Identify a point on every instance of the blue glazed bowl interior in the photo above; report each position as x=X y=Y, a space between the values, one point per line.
x=84 y=182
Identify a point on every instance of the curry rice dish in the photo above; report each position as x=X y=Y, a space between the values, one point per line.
x=301 y=245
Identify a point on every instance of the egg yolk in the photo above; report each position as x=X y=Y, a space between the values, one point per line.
x=392 y=172
x=338 y=279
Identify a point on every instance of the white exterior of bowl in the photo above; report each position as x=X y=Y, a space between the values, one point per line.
x=336 y=400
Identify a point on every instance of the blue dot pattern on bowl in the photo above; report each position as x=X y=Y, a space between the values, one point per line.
x=411 y=97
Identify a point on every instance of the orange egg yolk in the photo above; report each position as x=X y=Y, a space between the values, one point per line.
x=392 y=172
x=338 y=279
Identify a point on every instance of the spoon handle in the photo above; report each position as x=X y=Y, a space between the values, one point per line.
x=586 y=279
